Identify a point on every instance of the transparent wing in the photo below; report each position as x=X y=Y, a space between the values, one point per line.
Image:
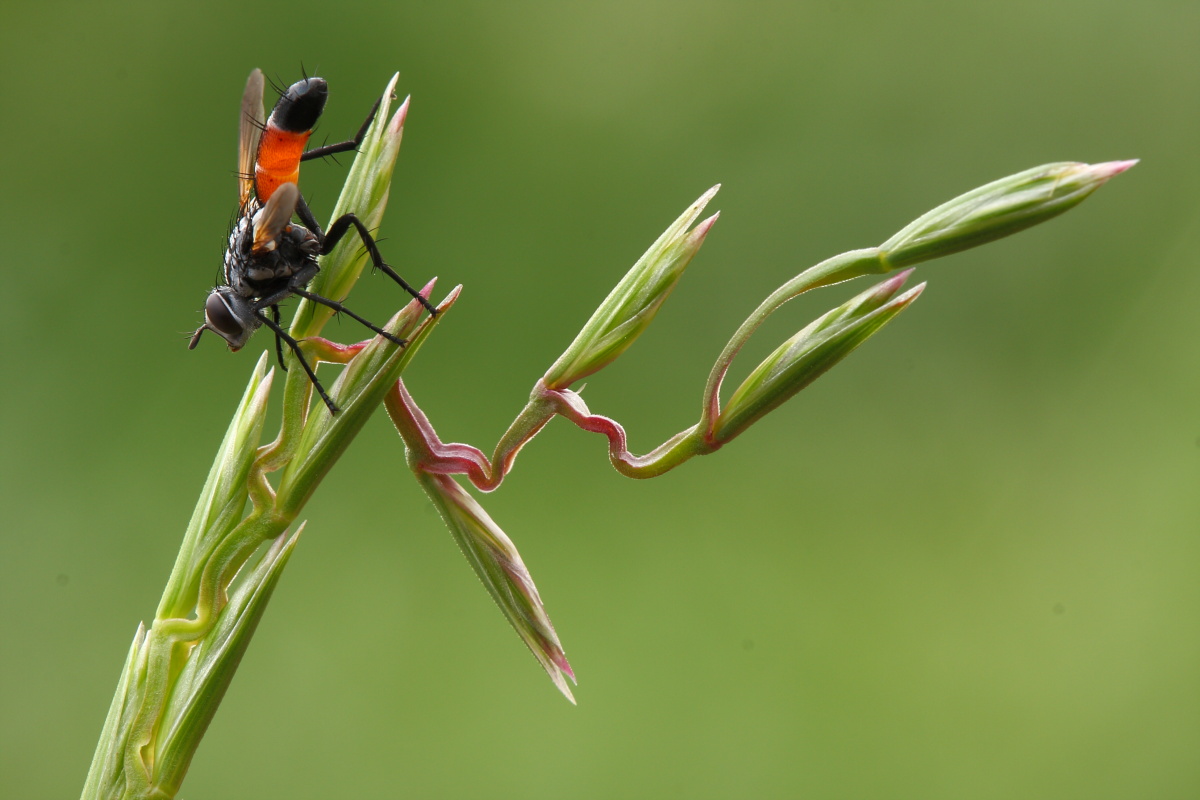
x=249 y=130
x=274 y=217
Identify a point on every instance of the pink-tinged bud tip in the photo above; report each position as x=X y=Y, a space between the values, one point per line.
x=885 y=290
x=1109 y=169
x=893 y=284
x=701 y=230
x=560 y=661
x=396 y=125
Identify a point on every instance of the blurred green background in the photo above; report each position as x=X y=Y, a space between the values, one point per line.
x=961 y=565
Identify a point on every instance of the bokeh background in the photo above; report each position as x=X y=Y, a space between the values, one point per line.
x=961 y=565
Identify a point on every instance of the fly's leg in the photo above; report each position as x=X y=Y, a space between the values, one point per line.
x=294 y=345
x=341 y=309
x=343 y=224
x=306 y=216
x=343 y=147
x=278 y=341
x=338 y=229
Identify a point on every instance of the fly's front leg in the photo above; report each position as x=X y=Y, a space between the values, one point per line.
x=295 y=347
x=344 y=147
x=278 y=341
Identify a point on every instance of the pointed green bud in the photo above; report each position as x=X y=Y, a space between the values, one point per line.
x=496 y=561
x=998 y=209
x=630 y=307
x=364 y=194
x=807 y=355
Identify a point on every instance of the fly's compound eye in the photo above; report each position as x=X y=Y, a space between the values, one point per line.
x=221 y=319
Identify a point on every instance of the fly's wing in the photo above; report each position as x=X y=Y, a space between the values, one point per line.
x=249 y=130
x=274 y=217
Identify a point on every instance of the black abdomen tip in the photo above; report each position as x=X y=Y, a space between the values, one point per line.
x=301 y=105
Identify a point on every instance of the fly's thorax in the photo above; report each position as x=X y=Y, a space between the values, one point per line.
x=295 y=251
x=254 y=275
x=301 y=240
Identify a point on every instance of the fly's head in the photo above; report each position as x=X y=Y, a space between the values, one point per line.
x=230 y=316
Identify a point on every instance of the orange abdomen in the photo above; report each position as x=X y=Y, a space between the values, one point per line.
x=278 y=160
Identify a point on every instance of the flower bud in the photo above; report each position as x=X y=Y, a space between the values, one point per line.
x=806 y=356
x=998 y=209
x=632 y=304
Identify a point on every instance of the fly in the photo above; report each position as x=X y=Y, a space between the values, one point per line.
x=269 y=258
